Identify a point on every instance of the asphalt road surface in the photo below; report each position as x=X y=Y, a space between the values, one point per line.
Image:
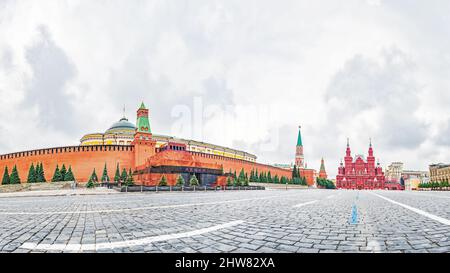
x=238 y=222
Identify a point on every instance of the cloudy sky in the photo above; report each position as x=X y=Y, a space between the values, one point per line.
x=243 y=74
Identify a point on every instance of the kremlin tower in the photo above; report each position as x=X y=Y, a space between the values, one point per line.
x=323 y=172
x=299 y=157
x=308 y=174
x=144 y=145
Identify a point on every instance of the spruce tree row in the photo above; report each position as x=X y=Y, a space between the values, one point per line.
x=325 y=183
x=63 y=174
x=264 y=177
x=193 y=181
x=241 y=180
x=35 y=175
x=8 y=179
x=125 y=178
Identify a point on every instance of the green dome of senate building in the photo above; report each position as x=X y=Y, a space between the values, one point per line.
x=122 y=125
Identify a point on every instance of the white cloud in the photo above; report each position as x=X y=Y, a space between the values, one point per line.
x=359 y=69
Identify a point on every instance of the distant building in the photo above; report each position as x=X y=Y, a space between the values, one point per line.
x=408 y=179
x=299 y=156
x=284 y=166
x=412 y=179
x=309 y=174
x=121 y=133
x=394 y=172
x=360 y=173
x=440 y=172
x=323 y=172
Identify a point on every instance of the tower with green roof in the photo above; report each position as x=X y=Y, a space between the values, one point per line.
x=144 y=144
x=299 y=157
x=323 y=172
x=143 y=123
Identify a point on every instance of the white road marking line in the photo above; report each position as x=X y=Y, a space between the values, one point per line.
x=305 y=204
x=140 y=208
x=418 y=211
x=331 y=196
x=129 y=243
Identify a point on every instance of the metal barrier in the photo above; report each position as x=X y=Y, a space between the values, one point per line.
x=157 y=189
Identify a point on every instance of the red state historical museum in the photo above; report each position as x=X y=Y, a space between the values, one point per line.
x=360 y=174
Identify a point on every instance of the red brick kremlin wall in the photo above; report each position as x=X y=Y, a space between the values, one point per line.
x=201 y=160
x=82 y=159
x=237 y=165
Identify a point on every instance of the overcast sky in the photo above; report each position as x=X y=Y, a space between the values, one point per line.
x=243 y=74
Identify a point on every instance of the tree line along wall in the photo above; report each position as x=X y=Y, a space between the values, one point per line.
x=205 y=160
x=82 y=159
x=238 y=164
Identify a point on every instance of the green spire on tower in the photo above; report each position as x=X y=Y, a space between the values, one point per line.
x=322 y=166
x=143 y=123
x=299 y=140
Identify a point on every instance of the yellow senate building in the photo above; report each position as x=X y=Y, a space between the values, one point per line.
x=120 y=133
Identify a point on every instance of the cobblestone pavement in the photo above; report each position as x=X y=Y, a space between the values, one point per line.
x=246 y=221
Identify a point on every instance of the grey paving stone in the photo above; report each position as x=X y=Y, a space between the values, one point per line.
x=269 y=224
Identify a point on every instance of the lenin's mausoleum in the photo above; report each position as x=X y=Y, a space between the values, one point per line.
x=149 y=156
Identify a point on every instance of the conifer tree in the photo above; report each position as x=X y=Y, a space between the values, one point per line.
x=5 y=180
x=117 y=175
x=94 y=177
x=264 y=178
x=69 y=175
x=105 y=177
x=31 y=174
x=130 y=179
x=269 y=177
x=241 y=177
x=237 y=182
x=40 y=174
x=63 y=172
x=294 y=172
x=276 y=180
x=304 y=182
x=124 y=175
x=14 y=178
x=245 y=182
x=38 y=170
x=180 y=181
x=57 y=175
x=229 y=181
x=163 y=181
x=252 y=173
x=193 y=181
